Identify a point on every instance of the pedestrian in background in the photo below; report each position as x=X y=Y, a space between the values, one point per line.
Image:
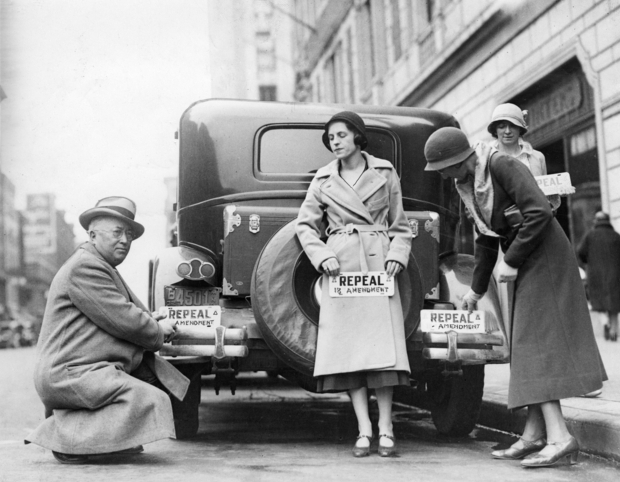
x=553 y=351
x=361 y=340
x=600 y=252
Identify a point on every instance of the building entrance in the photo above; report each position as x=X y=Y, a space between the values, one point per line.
x=561 y=126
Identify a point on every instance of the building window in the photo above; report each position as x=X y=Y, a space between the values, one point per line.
x=267 y=92
x=365 y=55
x=349 y=63
x=393 y=27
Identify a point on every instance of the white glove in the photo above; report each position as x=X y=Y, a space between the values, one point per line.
x=506 y=273
x=470 y=300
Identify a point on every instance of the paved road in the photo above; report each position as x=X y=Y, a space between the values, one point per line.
x=269 y=431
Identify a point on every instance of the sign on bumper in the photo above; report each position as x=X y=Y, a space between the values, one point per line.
x=194 y=316
x=460 y=321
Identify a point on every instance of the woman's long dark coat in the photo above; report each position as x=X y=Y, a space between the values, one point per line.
x=600 y=251
x=553 y=352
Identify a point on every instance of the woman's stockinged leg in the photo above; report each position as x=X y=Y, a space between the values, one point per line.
x=384 y=401
x=557 y=432
x=534 y=423
x=359 y=398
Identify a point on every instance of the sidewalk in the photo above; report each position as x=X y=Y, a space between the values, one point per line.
x=594 y=421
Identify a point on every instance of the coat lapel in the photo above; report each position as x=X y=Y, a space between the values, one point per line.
x=341 y=193
x=370 y=182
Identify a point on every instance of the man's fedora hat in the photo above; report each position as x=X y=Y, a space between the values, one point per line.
x=446 y=147
x=117 y=207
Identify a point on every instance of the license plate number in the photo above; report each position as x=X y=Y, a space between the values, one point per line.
x=194 y=316
x=460 y=321
x=181 y=296
x=349 y=284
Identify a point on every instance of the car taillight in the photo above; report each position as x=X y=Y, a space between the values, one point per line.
x=196 y=269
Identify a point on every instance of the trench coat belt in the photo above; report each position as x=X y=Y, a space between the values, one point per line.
x=360 y=228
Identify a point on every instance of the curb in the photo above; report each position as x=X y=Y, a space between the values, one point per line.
x=597 y=434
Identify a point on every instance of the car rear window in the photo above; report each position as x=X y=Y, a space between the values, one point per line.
x=300 y=150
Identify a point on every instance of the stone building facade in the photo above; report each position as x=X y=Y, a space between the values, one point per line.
x=558 y=59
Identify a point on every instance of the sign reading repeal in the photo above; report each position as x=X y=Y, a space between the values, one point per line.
x=555 y=184
x=194 y=316
x=356 y=283
x=460 y=321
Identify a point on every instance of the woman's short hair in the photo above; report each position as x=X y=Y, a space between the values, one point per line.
x=354 y=123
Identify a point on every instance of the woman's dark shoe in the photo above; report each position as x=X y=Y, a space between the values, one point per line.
x=362 y=451
x=513 y=453
x=69 y=458
x=384 y=450
x=613 y=336
x=568 y=451
x=606 y=331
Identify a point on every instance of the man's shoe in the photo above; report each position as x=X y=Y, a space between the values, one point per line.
x=70 y=458
x=138 y=449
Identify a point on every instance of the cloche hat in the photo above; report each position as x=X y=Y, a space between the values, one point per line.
x=352 y=118
x=115 y=206
x=446 y=147
x=510 y=113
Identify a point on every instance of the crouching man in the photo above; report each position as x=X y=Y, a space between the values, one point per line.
x=96 y=373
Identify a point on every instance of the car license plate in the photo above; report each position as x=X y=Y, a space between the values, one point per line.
x=373 y=283
x=460 y=321
x=183 y=296
x=194 y=316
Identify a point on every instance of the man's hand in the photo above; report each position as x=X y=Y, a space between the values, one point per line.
x=506 y=273
x=392 y=268
x=331 y=267
x=159 y=315
x=470 y=300
x=170 y=330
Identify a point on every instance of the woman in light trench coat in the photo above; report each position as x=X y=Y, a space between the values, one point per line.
x=361 y=340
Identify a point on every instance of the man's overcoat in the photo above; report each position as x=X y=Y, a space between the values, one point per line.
x=367 y=226
x=600 y=251
x=553 y=351
x=95 y=334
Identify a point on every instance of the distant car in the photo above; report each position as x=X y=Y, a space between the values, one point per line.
x=10 y=336
x=244 y=170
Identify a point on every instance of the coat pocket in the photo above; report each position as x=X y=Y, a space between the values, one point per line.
x=96 y=386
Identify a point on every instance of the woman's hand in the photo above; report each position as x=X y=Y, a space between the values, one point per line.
x=470 y=300
x=392 y=268
x=506 y=273
x=331 y=267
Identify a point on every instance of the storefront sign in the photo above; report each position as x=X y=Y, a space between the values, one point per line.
x=564 y=98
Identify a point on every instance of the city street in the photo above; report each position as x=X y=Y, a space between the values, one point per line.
x=268 y=431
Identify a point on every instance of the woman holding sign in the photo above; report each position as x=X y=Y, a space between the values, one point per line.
x=361 y=339
x=553 y=351
x=508 y=126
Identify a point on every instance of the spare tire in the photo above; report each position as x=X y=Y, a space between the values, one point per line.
x=285 y=306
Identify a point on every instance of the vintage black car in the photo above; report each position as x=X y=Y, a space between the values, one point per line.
x=244 y=292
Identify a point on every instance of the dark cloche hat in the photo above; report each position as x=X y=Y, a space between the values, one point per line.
x=115 y=206
x=352 y=118
x=446 y=147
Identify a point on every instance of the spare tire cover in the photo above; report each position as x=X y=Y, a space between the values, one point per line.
x=284 y=305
